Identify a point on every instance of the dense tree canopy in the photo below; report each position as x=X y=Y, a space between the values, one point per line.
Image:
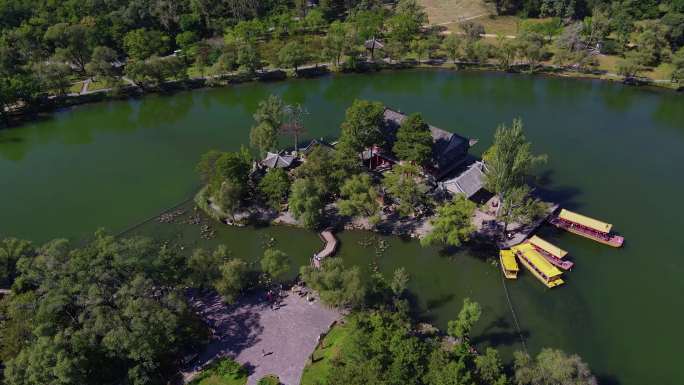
x=510 y=162
x=452 y=224
x=362 y=125
x=360 y=198
x=306 y=202
x=414 y=141
x=407 y=188
x=268 y=119
x=107 y=312
x=336 y=284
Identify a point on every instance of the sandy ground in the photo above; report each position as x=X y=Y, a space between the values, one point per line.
x=266 y=340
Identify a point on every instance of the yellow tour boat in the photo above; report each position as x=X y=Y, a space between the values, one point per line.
x=545 y=272
x=509 y=266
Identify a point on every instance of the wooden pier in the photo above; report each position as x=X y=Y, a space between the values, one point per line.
x=330 y=247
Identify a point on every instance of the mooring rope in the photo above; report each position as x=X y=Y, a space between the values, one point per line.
x=135 y=226
x=515 y=317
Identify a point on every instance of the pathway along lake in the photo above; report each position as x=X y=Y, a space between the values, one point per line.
x=616 y=153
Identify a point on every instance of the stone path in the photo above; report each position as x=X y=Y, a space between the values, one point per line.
x=266 y=340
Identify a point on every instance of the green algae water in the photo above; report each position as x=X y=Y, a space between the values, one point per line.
x=615 y=153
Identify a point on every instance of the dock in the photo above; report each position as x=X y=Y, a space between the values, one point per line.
x=490 y=228
x=329 y=249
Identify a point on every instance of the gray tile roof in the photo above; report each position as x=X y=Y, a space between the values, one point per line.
x=274 y=160
x=447 y=147
x=468 y=182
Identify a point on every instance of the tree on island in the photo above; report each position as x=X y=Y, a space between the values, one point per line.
x=275 y=186
x=359 y=198
x=294 y=122
x=229 y=197
x=452 y=224
x=405 y=186
x=551 y=367
x=337 y=285
x=233 y=279
x=362 y=126
x=414 y=140
x=268 y=119
x=328 y=168
x=306 y=202
x=509 y=162
x=275 y=263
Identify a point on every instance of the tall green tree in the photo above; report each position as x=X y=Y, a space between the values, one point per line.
x=408 y=18
x=468 y=316
x=335 y=41
x=292 y=55
x=453 y=223
x=275 y=263
x=275 y=186
x=489 y=368
x=509 y=162
x=72 y=43
x=362 y=126
x=452 y=46
x=268 y=119
x=53 y=77
x=204 y=266
x=414 y=140
x=101 y=65
x=551 y=367
x=407 y=188
x=306 y=202
x=11 y=251
x=142 y=43
x=359 y=197
x=337 y=285
x=233 y=279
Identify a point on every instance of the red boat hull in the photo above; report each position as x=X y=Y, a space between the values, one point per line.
x=607 y=239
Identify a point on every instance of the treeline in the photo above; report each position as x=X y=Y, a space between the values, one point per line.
x=46 y=46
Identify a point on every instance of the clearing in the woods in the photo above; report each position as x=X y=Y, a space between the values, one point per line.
x=453 y=11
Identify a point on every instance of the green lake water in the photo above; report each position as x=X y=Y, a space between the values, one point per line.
x=615 y=153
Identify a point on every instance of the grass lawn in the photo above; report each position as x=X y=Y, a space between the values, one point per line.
x=76 y=87
x=451 y=11
x=219 y=380
x=494 y=25
x=313 y=373
x=661 y=72
x=222 y=372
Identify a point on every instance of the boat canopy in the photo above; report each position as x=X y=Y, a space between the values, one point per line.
x=508 y=260
x=549 y=270
x=548 y=247
x=585 y=221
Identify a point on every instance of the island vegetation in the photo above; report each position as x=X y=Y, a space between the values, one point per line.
x=342 y=185
x=53 y=49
